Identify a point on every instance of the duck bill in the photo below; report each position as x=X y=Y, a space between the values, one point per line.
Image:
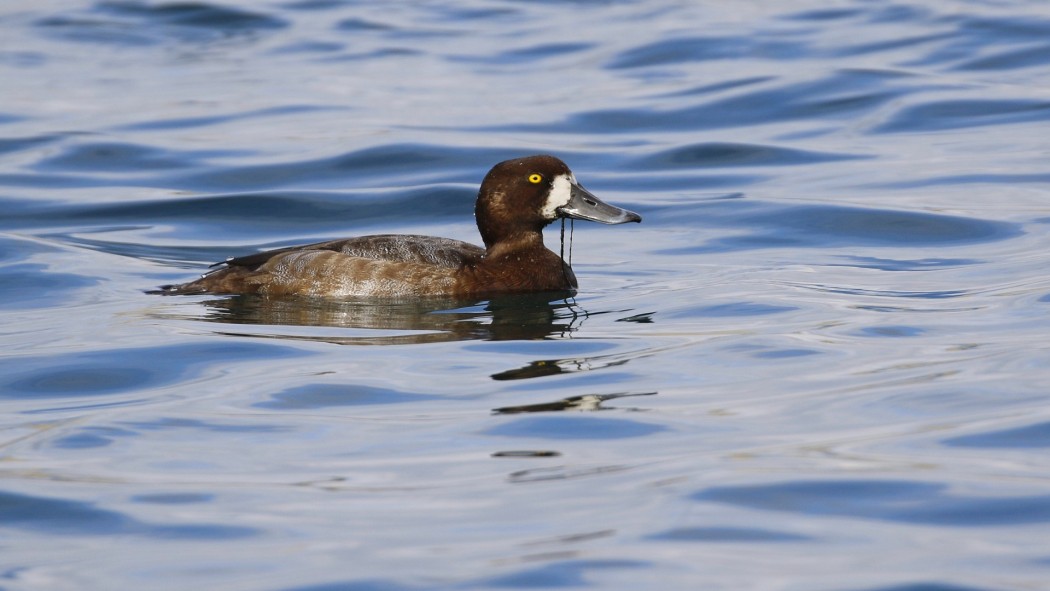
x=583 y=205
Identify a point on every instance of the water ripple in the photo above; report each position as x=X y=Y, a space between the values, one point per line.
x=101 y=373
x=843 y=94
x=822 y=226
x=55 y=516
x=1030 y=436
x=141 y=24
x=956 y=114
x=718 y=155
x=692 y=49
x=885 y=500
x=841 y=272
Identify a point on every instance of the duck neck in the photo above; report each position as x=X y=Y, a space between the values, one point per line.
x=524 y=241
x=522 y=263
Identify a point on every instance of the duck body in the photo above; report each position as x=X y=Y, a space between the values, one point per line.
x=517 y=199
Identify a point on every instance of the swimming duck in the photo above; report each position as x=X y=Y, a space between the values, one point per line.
x=517 y=199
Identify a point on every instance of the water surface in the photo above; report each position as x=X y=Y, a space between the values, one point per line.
x=819 y=363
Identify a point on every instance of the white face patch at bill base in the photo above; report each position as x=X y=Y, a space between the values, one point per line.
x=559 y=195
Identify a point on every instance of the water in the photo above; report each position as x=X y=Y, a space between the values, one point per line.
x=820 y=363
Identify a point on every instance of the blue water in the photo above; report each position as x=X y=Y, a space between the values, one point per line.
x=819 y=364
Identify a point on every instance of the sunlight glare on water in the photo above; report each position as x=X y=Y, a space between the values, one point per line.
x=819 y=363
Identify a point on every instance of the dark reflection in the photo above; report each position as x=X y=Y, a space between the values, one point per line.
x=585 y=402
x=535 y=369
x=515 y=317
x=561 y=473
x=526 y=453
x=549 y=367
x=643 y=318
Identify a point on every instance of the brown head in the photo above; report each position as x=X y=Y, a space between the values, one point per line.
x=521 y=196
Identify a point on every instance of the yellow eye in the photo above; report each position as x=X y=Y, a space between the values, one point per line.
x=535 y=178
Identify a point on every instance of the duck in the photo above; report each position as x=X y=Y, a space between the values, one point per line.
x=517 y=199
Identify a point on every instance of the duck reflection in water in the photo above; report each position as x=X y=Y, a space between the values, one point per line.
x=587 y=402
x=430 y=320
